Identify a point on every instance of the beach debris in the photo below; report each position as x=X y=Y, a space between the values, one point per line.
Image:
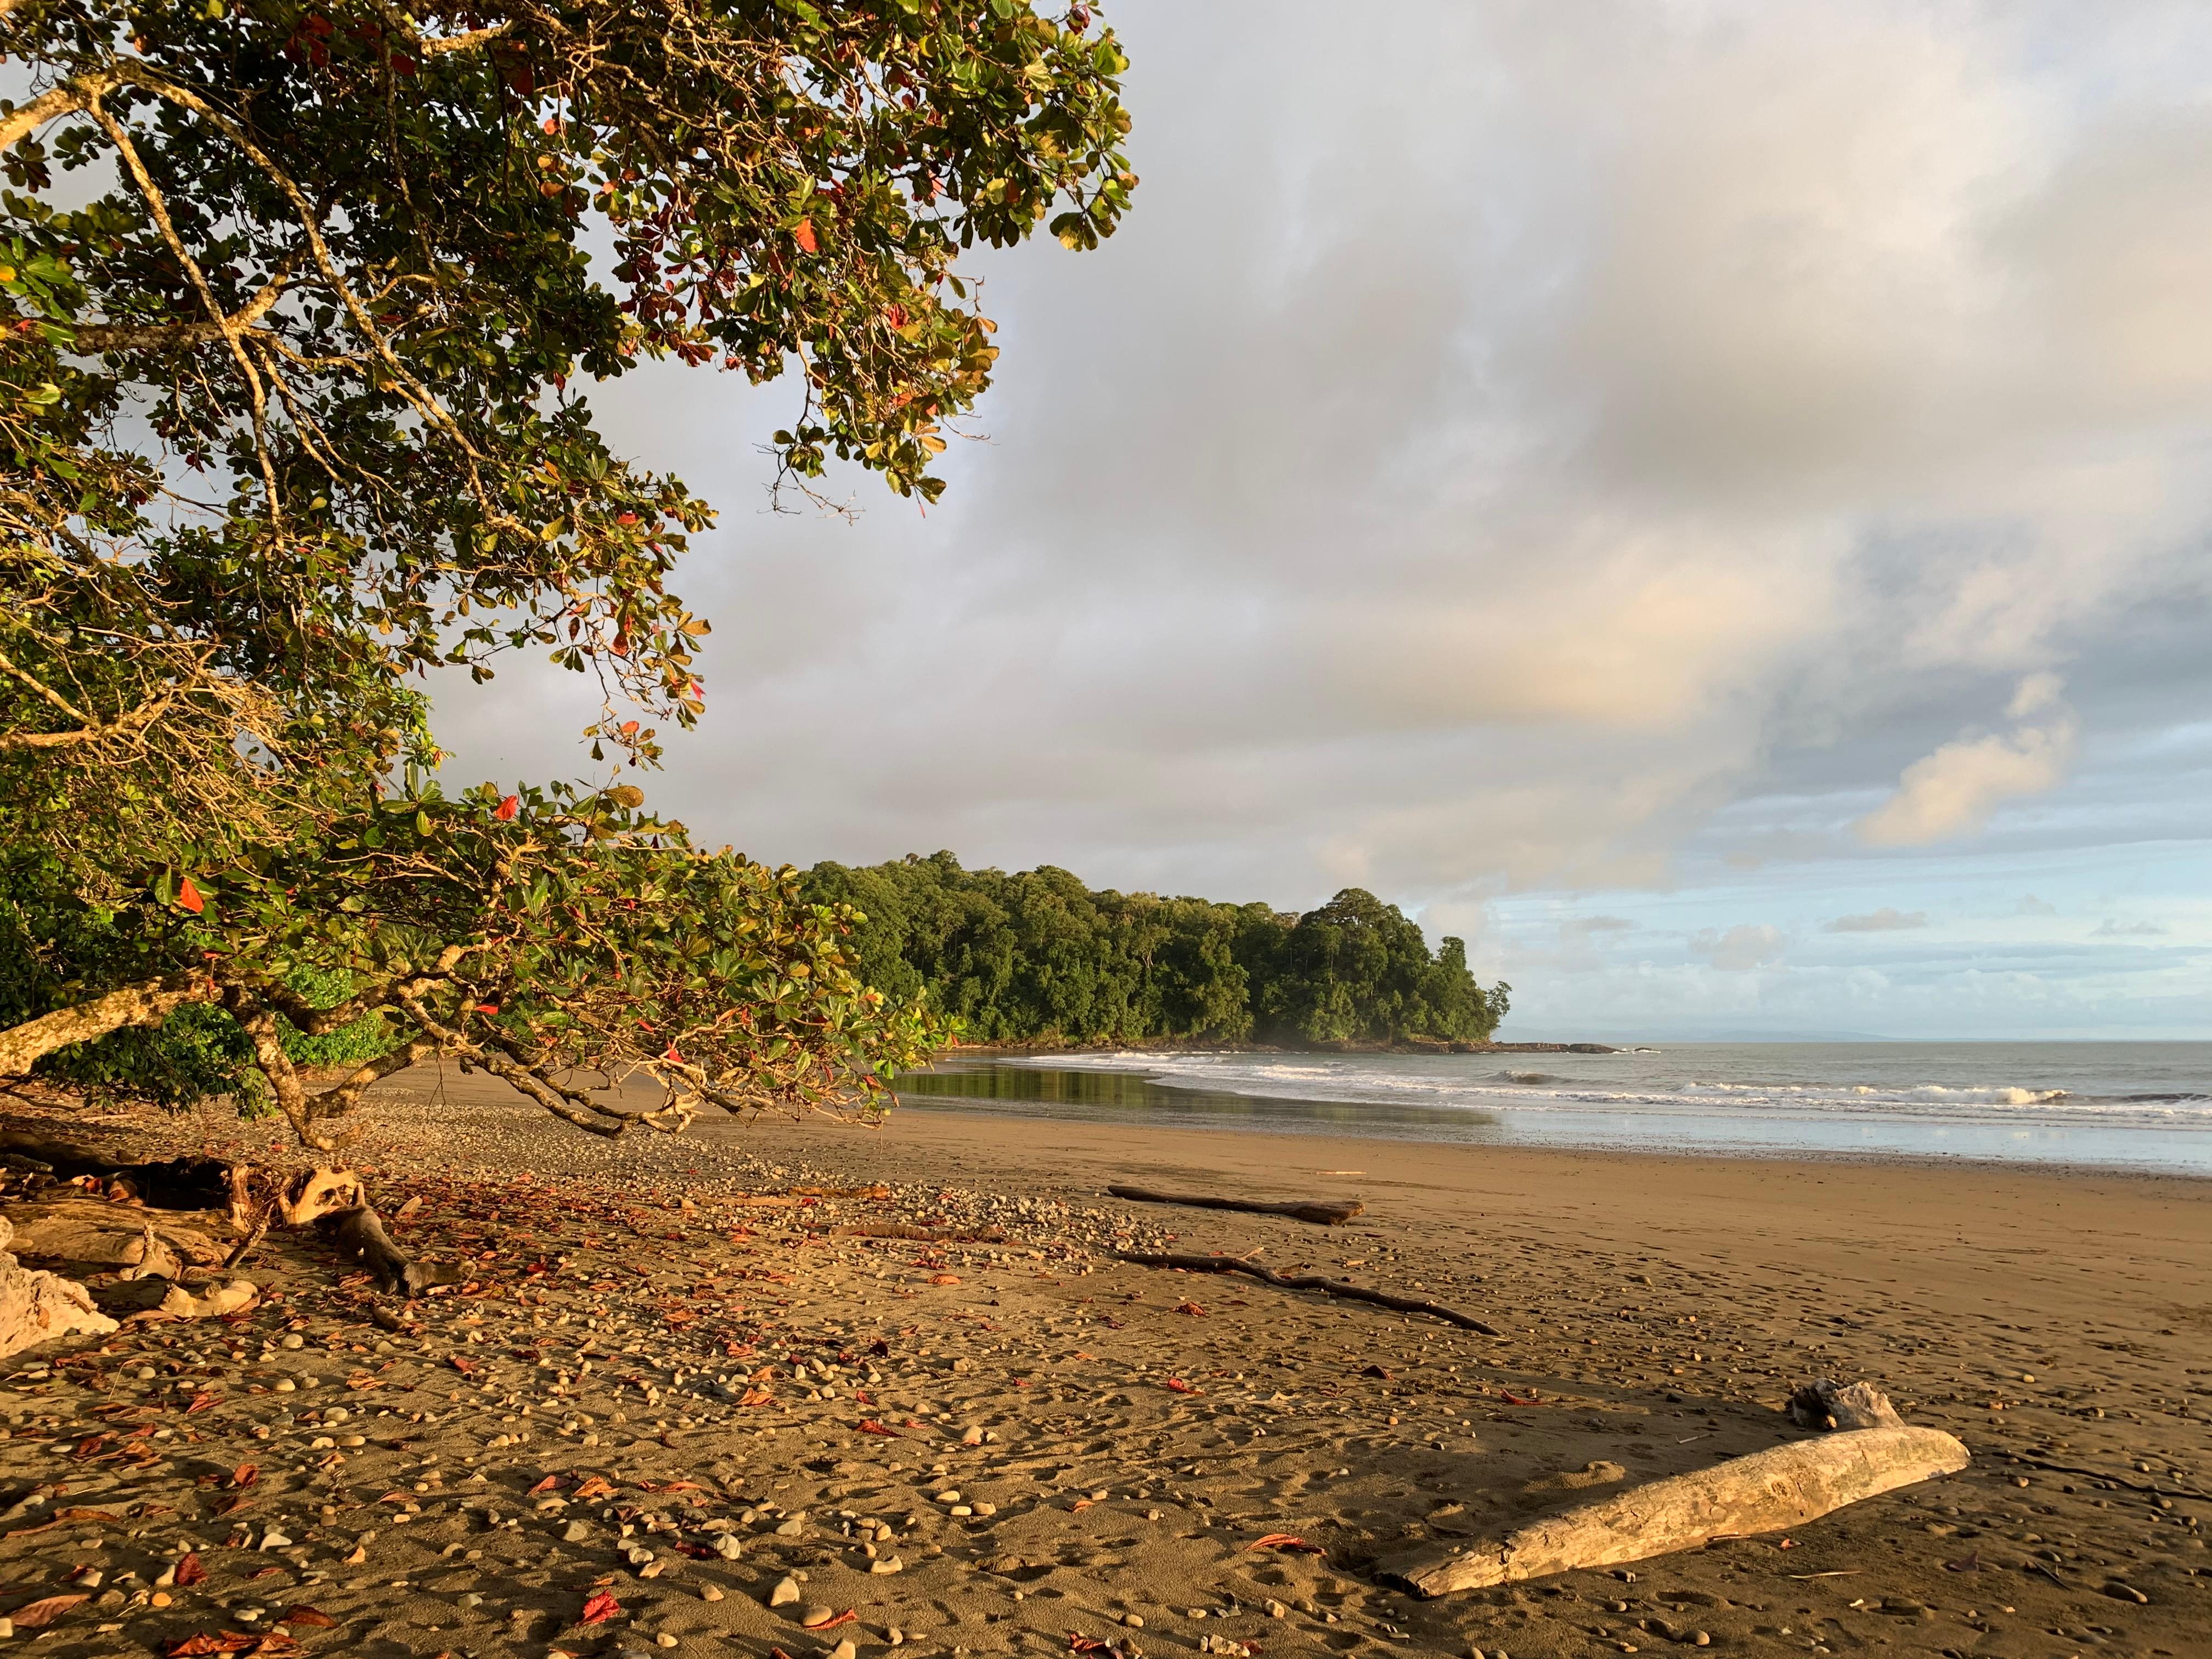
x=36 y=1306
x=1765 y=1492
x=1334 y=1287
x=1323 y=1213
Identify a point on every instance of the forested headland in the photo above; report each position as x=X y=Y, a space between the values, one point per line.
x=1037 y=957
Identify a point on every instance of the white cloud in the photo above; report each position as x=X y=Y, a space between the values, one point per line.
x=1741 y=948
x=1955 y=791
x=1888 y=919
x=2111 y=929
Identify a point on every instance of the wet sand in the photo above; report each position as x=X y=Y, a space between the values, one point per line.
x=1122 y=1437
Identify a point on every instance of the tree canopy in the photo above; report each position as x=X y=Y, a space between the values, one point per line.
x=1036 y=956
x=305 y=298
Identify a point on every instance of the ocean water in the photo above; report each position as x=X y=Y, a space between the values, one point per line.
x=2127 y=1105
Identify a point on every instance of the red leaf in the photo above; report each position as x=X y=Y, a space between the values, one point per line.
x=549 y=1483
x=1176 y=1385
x=200 y=1402
x=309 y=1617
x=1513 y=1399
x=594 y=1488
x=869 y=1426
x=44 y=1612
x=600 y=1608
x=191 y=1570
x=508 y=808
x=1285 y=1541
x=189 y=897
x=243 y=1475
x=803 y=234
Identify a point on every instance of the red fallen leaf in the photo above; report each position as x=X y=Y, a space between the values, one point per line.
x=756 y=1397
x=267 y=1572
x=508 y=808
x=1513 y=1399
x=243 y=1475
x=594 y=1488
x=200 y=1403
x=869 y=1426
x=803 y=234
x=600 y=1608
x=89 y=1445
x=1078 y=1643
x=1285 y=1541
x=192 y=1647
x=1377 y=1370
x=188 y=896
x=862 y=1397
x=191 y=1570
x=1176 y=1385
x=550 y=1483
x=1191 y=1308
x=309 y=1617
x=465 y=1367
x=44 y=1612
x=945 y=1279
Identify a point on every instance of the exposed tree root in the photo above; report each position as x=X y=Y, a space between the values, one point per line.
x=1335 y=1287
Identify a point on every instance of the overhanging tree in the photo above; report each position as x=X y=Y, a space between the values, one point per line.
x=304 y=300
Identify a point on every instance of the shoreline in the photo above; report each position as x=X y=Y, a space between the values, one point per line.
x=996 y=1446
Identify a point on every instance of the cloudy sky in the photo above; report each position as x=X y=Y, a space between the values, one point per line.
x=1707 y=501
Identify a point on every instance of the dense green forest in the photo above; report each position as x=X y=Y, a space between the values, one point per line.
x=1036 y=956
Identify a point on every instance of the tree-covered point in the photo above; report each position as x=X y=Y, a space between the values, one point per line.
x=1036 y=956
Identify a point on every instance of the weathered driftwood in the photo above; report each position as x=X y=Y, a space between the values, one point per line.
x=1321 y=1212
x=1335 y=1287
x=90 y=1232
x=211 y=1301
x=360 y=1235
x=1823 y=1405
x=1767 y=1491
x=313 y=1193
x=37 y=1307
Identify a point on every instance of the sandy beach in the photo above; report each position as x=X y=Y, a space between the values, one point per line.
x=651 y=1416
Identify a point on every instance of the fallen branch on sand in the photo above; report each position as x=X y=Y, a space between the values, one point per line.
x=1321 y=1212
x=1767 y=1491
x=1335 y=1287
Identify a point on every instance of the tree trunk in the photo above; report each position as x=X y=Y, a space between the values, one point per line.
x=1768 y=1490
x=149 y=1002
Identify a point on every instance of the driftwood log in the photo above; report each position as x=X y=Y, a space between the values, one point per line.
x=37 y=1307
x=1321 y=1212
x=1767 y=1492
x=1335 y=1287
x=360 y=1236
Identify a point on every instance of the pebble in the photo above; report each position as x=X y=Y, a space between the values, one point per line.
x=785 y=1591
x=274 y=1539
x=664 y=1639
x=888 y=1564
x=845 y=1649
x=815 y=1618
x=710 y=1592
x=575 y=1532
x=729 y=1546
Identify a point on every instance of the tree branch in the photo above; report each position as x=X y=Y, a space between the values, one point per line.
x=148 y=1003
x=155 y=337
x=70 y=97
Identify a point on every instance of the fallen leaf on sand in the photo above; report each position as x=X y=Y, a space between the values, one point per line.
x=600 y=1608
x=1513 y=1399
x=945 y=1279
x=1285 y=1541
x=191 y=1570
x=1191 y=1308
x=309 y=1617
x=44 y=1612
x=243 y=1475
x=1964 y=1564
x=869 y=1426
x=1377 y=1370
x=594 y=1488
x=550 y=1483
x=1176 y=1385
